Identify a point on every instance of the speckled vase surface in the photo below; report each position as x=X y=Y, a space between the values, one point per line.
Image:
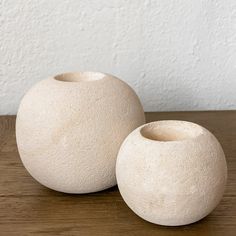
x=69 y=129
x=171 y=172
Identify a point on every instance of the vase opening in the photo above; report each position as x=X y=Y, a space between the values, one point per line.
x=80 y=77
x=166 y=131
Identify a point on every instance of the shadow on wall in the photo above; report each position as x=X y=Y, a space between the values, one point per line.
x=175 y=96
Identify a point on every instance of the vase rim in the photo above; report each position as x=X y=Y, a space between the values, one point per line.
x=80 y=76
x=166 y=131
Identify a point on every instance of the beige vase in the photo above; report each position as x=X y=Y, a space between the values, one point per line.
x=171 y=172
x=70 y=127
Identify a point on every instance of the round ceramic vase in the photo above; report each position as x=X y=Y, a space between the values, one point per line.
x=171 y=172
x=69 y=129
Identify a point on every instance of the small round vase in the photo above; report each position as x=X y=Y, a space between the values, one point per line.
x=69 y=129
x=171 y=172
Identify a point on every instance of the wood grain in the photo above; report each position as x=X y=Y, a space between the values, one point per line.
x=27 y=208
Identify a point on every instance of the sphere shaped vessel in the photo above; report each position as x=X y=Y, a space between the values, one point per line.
x=171 y=172
x=70 y=127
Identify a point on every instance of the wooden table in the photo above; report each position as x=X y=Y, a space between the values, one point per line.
x=27 y=208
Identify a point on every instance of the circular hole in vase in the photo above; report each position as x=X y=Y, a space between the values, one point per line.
x=166 y=131
x=80 y=77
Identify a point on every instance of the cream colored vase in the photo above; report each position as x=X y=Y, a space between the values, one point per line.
x=70 y=127
x=171 y=172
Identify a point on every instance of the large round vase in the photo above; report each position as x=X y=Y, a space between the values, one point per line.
x=70 y=127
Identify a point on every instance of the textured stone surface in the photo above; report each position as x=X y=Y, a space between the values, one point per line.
x=177 y=55
x=69 y=130
x=171 y=172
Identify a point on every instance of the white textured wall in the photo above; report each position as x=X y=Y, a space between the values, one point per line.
x=177 y=55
